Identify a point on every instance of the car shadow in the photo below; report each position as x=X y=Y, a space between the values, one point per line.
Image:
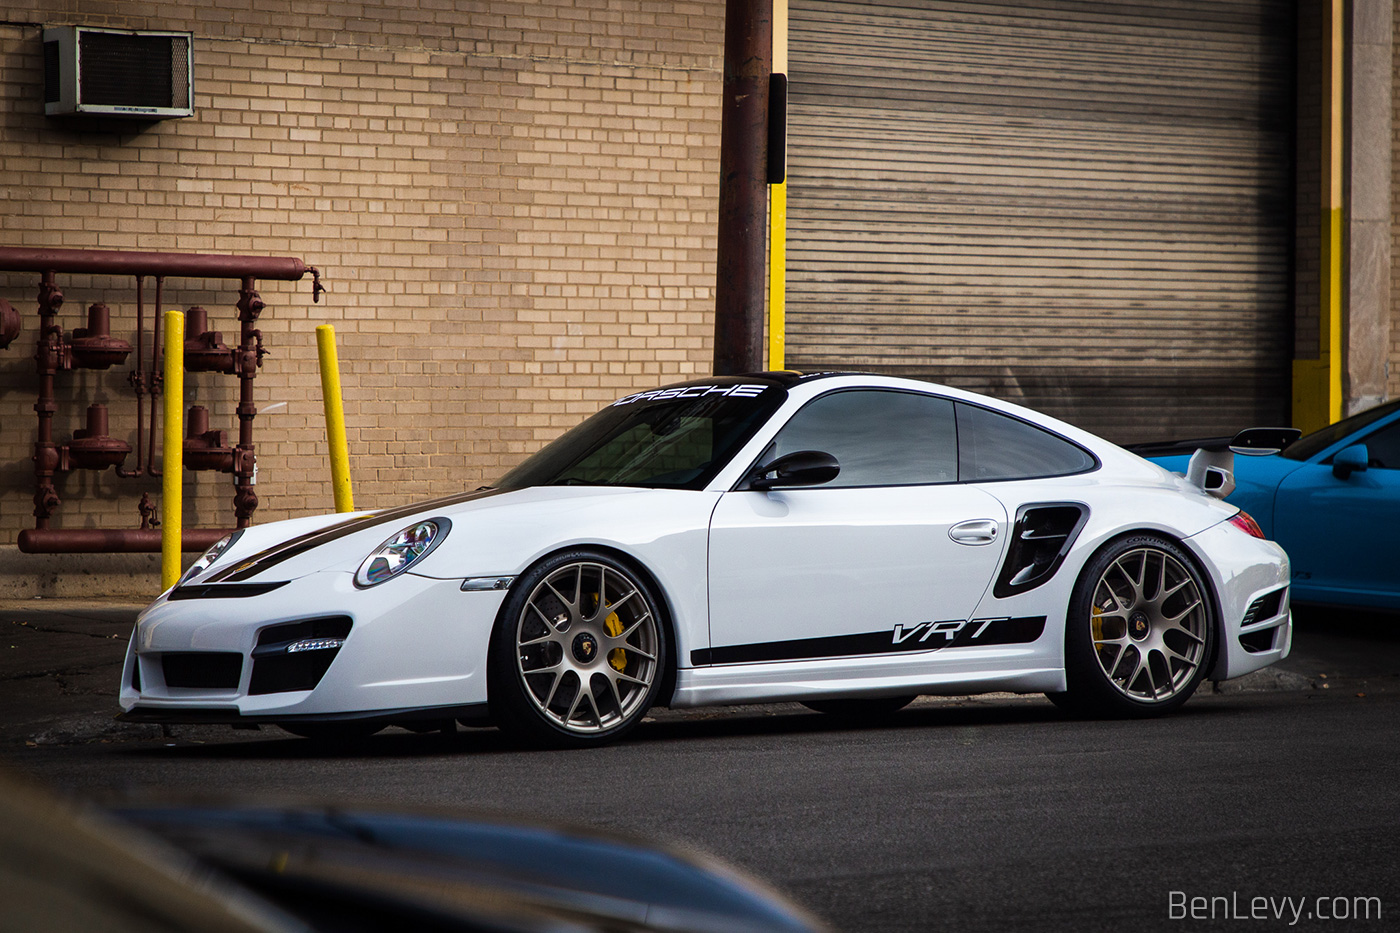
x=665 y=726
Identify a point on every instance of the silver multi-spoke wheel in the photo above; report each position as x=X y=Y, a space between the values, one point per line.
x=1140 y=632
x=1149 y=624
x=588 y=647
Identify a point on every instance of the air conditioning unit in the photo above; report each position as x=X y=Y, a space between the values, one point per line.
x=118 y=72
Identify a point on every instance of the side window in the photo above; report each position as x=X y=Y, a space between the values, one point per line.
x=879 y=438
x=1383 y=447
x=994 y=446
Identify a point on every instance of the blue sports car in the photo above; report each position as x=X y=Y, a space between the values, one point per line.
x=1332 y=499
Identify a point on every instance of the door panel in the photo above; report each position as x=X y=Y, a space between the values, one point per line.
x=832 y=572
x=1340 y=534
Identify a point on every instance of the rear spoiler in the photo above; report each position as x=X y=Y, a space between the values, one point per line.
x=1212 y=464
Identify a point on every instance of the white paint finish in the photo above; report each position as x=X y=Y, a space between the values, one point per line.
x=809 y=563
x=785 y=564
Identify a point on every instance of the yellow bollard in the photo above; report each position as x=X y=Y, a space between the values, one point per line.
x=174 y=466
x=335 y=419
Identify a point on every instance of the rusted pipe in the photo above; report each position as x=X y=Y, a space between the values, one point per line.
x=9 y=324
x=250 y=354
x=92 y=448
x=48 y=359
x=156 y=381
x=104 y=541
x=121 y=262
x=137 y=378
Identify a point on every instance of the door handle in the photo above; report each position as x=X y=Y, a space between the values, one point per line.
x=977 y=532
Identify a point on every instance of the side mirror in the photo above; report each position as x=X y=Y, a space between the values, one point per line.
x=1349 y=460
x=799 y=468
x=1258 y=442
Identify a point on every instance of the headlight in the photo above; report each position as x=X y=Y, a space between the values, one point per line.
x=401 y=551
x=209 y=556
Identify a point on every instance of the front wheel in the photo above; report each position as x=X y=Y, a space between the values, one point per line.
x=1140 y=632
x=578 y=652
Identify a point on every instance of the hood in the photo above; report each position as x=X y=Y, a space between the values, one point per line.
x=288 y=550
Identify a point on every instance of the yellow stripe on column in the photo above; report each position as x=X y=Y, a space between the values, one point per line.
x=777 y=276
x=172 y=483
x=335 y=419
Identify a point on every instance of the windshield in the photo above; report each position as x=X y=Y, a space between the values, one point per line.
x=1318 y=441
x=678 y=437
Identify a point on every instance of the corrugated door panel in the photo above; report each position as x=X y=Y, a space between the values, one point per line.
x=1084 y=207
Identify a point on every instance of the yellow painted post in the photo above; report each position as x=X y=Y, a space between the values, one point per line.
x=777 y=276
x=1317 y=384
x=1332 y=161
x=172 y=483
x=777 y=218
x=335 y=419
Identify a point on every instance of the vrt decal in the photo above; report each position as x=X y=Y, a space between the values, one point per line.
x=948 y=629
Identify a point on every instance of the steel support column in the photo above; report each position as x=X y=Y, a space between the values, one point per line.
x=743 y=188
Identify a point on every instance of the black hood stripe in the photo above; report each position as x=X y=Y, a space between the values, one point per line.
x=285 y=550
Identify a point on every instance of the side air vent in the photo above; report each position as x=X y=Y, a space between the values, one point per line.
x=118 y=73
x=1260 y=641
x=1265 y=607
x=295 y=656
x=1040 y=539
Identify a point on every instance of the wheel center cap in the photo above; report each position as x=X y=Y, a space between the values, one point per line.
x=1139 y=626
x=585 y=647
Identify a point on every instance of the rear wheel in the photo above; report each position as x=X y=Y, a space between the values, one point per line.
x=863 y=709
x=578 y=652
x=1140 y=633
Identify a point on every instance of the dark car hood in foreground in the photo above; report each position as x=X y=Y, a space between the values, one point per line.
x=359 y=867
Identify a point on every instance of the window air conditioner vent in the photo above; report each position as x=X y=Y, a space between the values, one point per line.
x=118 y=73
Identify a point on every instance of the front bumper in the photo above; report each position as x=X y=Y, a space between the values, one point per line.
x=412 y=648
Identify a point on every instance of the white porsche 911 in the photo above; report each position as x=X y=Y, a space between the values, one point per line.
x=845 y=541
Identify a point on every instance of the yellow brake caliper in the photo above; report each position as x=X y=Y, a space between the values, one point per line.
x=618 y=656
x=1097 y=625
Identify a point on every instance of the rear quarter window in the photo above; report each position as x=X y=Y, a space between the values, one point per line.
x=993 y=446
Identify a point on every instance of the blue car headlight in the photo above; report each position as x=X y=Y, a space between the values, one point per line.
x=402 y=551
x=207 y=559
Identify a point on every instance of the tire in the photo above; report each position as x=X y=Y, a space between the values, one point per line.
x=578 y=653
x=870 y=709
x=1141 y=631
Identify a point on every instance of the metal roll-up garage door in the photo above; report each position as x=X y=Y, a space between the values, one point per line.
x=1085 y=207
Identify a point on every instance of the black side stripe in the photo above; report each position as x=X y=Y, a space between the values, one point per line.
x=286 y=550
x=921 y=636
x=224 y=591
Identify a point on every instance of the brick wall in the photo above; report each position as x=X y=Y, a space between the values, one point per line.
x=513 y=205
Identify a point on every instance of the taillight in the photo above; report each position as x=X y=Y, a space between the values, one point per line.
x=1246 y=523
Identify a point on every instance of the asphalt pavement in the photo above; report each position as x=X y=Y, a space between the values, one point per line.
x=987 y=813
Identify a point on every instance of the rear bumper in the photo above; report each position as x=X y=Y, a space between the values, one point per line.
x=1251 y=578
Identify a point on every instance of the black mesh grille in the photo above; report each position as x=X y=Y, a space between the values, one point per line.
x=210 y=670
x=126 y=70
